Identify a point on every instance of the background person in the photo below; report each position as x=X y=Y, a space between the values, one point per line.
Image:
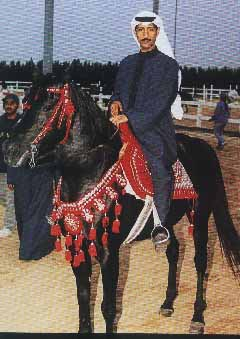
x=7 y=120
x=220 y=118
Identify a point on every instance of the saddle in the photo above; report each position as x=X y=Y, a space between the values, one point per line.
x=138 y=176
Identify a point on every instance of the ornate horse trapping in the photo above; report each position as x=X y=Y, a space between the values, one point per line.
x=130 y=175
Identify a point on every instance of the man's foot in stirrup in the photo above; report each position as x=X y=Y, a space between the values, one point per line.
x=160 y=238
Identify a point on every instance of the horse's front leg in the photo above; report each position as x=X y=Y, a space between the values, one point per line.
x=110 y=272
x=82 y=274
x=172 y=290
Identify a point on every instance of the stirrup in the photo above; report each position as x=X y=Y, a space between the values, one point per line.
x=159 y=242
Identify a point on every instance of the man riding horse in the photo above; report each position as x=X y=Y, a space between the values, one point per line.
x=145 y=94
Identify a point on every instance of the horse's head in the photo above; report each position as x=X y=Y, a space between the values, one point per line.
x=55 y=115
x=46 y=119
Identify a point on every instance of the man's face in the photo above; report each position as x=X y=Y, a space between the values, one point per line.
x=10 y=107
x=146 y=36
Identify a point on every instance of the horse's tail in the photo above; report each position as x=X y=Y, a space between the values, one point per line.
x=228 y=235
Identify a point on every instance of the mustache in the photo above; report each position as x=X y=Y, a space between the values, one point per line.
x=145 y=40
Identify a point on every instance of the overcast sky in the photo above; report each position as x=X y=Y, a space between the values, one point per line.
x=208 y=31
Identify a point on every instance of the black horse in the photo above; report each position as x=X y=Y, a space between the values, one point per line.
x=91 y=149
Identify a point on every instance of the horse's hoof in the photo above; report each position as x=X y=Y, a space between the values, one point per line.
x=166 y=312
x=196 y=327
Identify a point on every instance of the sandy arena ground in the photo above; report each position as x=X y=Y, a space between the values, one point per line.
x=40 y=296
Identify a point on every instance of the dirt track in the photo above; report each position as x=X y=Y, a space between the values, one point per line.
x=40 y=296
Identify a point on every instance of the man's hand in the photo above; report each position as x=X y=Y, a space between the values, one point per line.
x=11 y=187
x=119 y=119
x=122 y=150
x=116 y=108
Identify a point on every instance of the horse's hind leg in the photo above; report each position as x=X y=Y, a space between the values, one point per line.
x=82 y=275
x=200 y=235
x=177 y=211
x=110 y=272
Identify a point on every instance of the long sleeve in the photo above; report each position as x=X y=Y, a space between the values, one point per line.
x=159 y=98
x=117 y=85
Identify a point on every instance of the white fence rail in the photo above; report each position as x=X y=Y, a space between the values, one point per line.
x=207 y=95
x=199 y=117
x=17 y=85
x=203 y=93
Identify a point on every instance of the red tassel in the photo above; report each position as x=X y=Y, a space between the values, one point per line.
x=105 y=239
x=192 y=214
x=68 y=255
x=54 y=216
x=190 y=229
x=68 y=241
x=81 y=256
x=92 y=250
x=92 y=234
x=78 y=242
x=105 y=221
x=58 y=245
x=116 y=226
x=56 y=230
x=76 y=260
x=118 y=209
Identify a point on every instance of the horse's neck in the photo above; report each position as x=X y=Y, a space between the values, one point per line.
x=81 y=173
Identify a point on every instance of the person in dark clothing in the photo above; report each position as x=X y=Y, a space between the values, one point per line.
x=145 y=94
x=7 y=120
x=33 y=194
x=220 y=118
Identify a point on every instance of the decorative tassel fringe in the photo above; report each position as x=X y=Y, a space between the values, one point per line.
x=78 y=258
x=190 y=229
x=105 y=221
x=68 y=241
x=191 y=226
x=118 y=209
x=92 y=234
x=56 y=230
x=105 y=238
x=116 y=226
x=92 y=250
x=68 y=255
x=78 y=242
x=58 y=245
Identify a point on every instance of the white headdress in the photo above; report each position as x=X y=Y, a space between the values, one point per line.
x=163 y=45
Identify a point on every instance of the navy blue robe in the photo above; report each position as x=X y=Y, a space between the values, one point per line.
x=150 y=116
x=33 y=194
x=147 y=85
